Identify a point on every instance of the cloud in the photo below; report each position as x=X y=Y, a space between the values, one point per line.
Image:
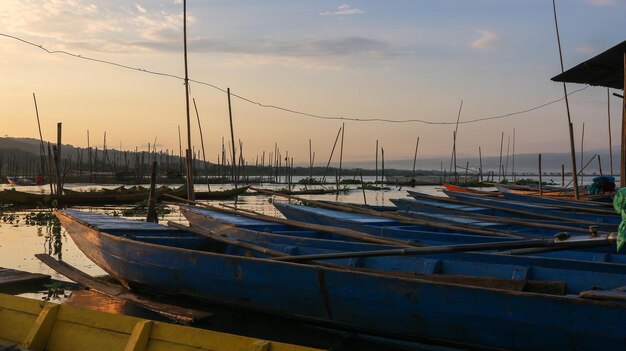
x=602 y=2
x=343 y=10
x=487 y=40
x=140 y=8
x=72 y=24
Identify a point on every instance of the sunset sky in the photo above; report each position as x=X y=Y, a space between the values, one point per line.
x=394 y=60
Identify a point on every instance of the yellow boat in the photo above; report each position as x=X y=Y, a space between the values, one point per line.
x=38 y=325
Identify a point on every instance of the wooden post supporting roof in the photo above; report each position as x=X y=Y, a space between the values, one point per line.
x=622 y=174
x=606 y=70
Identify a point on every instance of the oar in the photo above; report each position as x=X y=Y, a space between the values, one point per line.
x=536 y=243
x=509 y=210
x=401 y=219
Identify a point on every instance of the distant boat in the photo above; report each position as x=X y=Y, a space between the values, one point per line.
x=108 y=198
x=15 y=181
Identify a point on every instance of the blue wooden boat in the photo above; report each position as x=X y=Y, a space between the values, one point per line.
x=446 y=205
x=535 y=208
x=153 y=257
x=476 y=216
x=550 y=201
x=385 y=227
x=576 y=276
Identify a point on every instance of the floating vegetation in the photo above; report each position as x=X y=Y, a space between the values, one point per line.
x=55 y=291
x=309 y=180
x=527 y=181
x=370 y=186
x=351 y=181
x=10 y=218
x=40 y=218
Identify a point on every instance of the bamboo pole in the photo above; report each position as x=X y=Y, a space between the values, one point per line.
x=343 y=129
x=569 y=119
x=206 y=170
x=417 y=143
x=513 y=161
x=310 y=163
x=540 y=181
x=382 y=164
x=582 y=154
x=363 y=189
x=506 y=164
x=152 y=215
x=376 y=171
x=232 y=137
x=500 y=164
x=331 y=154
x=58 y=160
x=480 y=158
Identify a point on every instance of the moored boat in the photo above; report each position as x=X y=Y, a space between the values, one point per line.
x=153 y=257
x=539 y=272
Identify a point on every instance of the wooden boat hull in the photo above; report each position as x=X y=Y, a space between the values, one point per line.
x=536 y=208
x=105 y=198
x=37 y=326
x=402 y=307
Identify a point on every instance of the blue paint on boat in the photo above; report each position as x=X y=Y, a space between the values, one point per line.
x=400 y=231
x=372 y=303
x=577 y=276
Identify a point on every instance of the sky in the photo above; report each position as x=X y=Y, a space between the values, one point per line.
x=394 y=60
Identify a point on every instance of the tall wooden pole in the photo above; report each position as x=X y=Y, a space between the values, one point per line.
x=608 y=110
x=500 y=164
x=506 y=164
x=376 y=170
x=206 y=169
x=343 y=129
x=382 y=172
x=569 y=119
x=582 y=154
x=310 y=162
x=232 y=138
x=190 y=192
x=331 y=155
x=480 y=159
x=417 y=144
x=622 y=173
x=58 y=160
x=540 y=178
x=513 y=161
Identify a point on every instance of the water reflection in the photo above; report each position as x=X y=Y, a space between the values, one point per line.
x=53 y=240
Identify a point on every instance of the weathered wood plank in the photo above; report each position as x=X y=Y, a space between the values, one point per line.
x=10 y=278
x=177 y=313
